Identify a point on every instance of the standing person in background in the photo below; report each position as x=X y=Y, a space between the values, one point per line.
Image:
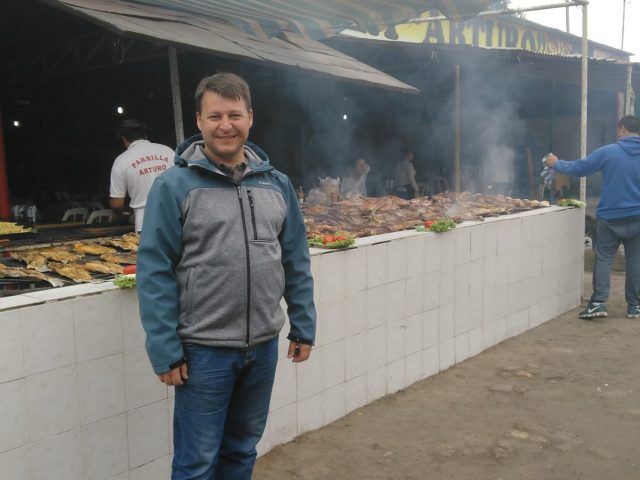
x=362 y=181
x=498 y=170
x=405 y=176
x=134 y=170
x=223 y=241
x=617 y=214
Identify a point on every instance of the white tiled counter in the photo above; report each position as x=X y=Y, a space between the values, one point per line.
x=79 y=401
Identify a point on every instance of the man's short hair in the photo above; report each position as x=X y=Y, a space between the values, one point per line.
x=131 y=129
x=227 y=85
x=631 y=123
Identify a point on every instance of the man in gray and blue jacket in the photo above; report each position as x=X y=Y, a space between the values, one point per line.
x=222 y=243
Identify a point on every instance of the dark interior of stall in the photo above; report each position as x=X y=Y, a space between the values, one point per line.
x=64 y=78
x=505 y=100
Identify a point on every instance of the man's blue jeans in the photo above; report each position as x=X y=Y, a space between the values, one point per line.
x=221 y=411
x=609 y=234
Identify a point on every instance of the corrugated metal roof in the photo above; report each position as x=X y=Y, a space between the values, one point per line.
x=318 y=18
x=288 y=49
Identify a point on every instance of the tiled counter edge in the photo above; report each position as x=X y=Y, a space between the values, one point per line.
x=79 y=399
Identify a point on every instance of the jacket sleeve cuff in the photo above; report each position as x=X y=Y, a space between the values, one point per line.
x=162 y=369
x=297 y=339
x=180 y=362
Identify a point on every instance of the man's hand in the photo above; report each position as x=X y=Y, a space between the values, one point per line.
x=298 y=352
x=117 y=205
x=175 y=376
x=551 y=160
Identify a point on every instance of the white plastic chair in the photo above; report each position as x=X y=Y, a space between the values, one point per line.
x=101 y=216
x=93 y=206
x=78 y=214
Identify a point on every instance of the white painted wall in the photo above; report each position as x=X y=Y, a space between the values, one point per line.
x=79 y=401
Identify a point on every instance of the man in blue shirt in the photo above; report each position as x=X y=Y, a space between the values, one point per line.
x=617 y=214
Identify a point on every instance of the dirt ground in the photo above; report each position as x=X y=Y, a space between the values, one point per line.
x=560 y=402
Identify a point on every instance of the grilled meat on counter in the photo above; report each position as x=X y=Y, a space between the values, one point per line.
x=363 y=217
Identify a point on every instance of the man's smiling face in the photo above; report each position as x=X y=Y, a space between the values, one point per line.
x=224 y=124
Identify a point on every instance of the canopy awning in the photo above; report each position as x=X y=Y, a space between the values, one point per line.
x=318 y=18
x=288 y=49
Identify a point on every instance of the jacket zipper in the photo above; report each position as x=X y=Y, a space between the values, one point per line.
x=246 y=248
x=253 y=215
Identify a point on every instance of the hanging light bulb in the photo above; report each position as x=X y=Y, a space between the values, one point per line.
x=120 y=110
x=17 y=124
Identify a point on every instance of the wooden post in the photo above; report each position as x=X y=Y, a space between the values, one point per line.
x=532 y=186
x=175 y=94
x=5 y=204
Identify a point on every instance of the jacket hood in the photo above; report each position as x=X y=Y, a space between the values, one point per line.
x=630 y=145
x=189 y=153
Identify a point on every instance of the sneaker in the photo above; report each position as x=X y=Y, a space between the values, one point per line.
x=633 y=311
x=594 y=310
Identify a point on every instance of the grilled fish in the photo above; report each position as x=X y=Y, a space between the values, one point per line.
x=122 y=258
x=123 y=244
x=102 y=267
x=13 y=272
x=32 y=258
x=131 y=238
x=59 y=254
x=92 y=248
x=75 y=272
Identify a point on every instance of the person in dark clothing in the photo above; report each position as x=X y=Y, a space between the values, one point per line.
x=405 y=176
x=617 y=214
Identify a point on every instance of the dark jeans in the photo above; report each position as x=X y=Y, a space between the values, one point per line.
x=608 y=236
x=406 y=191
x=221 y=411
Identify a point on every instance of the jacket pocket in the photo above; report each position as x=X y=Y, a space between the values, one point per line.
x=188 y=297
x=266 y=214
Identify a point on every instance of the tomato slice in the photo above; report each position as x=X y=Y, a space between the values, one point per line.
x=129 y=269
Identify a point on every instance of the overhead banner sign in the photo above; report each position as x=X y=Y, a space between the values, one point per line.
x=496 y=32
